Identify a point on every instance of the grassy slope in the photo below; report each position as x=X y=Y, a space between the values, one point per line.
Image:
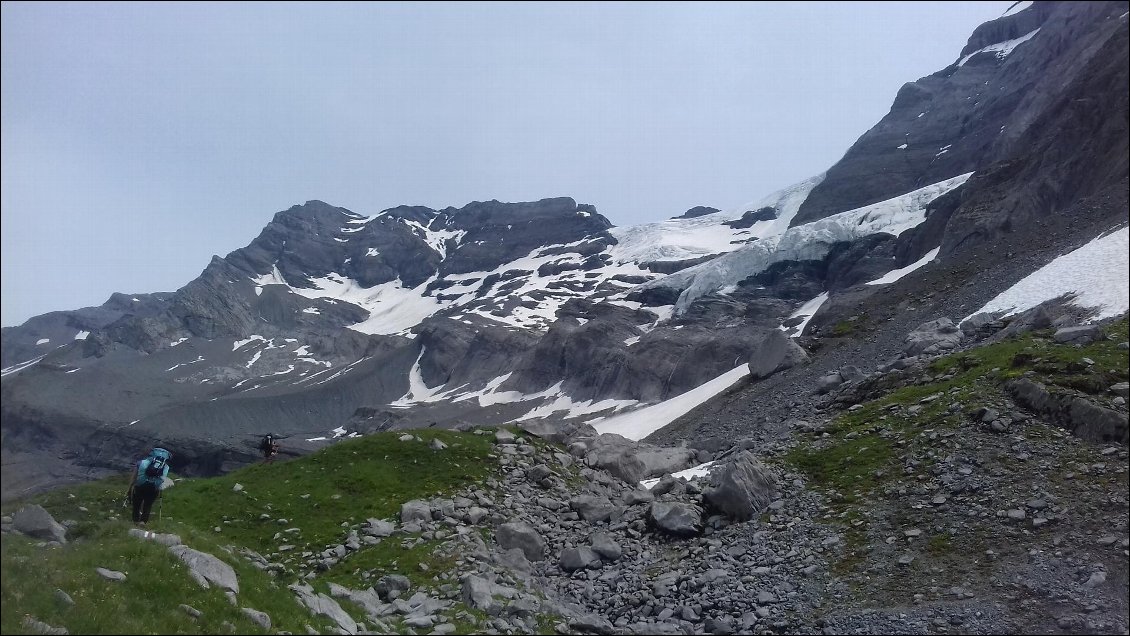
x=881 y=451
x=346 y=483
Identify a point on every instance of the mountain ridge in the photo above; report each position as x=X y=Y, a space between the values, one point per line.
x=492 y=311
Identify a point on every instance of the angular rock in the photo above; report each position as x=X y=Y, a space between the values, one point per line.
x=322 y=605
x=378 y=527
x=415 y=511
x=932 y=337
x=742 y=489
x=604 y=545
x=592 y=508
x=679 y=519
x=578 y=558
x=521 y=535
x=206 y=569
x=259 y=618
x=391 y=582
x=34 y=521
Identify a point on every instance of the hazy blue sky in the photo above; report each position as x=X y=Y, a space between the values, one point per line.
x=140 y=139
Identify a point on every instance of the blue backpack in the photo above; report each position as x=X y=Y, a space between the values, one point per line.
x=152 y=469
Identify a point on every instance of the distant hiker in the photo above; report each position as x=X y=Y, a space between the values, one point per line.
x=269 y=446
x=148 y=480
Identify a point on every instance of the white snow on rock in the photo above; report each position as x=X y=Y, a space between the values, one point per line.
x=896 y=274
x=1002 y=49
x=808 y=310
x=680 y=239
x=1096 y=274
x=82 y=335
x=701 y=470
x=42 y=341
x=642 y=422
x=811 y=241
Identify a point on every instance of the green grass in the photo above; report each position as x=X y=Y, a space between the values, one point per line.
x=862 y=455
x=369 y=477
x=346 y=483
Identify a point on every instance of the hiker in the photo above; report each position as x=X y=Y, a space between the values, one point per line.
x=269 y=446
x=148 y=480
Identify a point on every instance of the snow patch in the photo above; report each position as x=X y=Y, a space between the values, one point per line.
x=640 y=423
x=1096 y=273
x=239 y=343
x=896 y=274
x=1002 y=49
x=82 y=335
x=42 y=341
x=701 y=470
x=808 y=310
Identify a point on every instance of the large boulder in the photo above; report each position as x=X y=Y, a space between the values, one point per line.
x=607 y=547
x=632 y=461
x=742 y=488
x=518 y=534
x=206 y=569
x=1082 y=417
x=322 y=605
x=578 y=558
x=932 y=337
x=592 y=508
x=679 y=519
x=415 y=511
x=34 y=521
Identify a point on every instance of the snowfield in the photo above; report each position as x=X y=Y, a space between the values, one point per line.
x=1096 y=274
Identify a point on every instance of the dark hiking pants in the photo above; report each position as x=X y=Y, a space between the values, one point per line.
x=143 y=498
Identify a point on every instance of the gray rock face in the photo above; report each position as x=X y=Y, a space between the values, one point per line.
x=206 y=569
x=34 y=521
x=1082 y=417
x=742 y=489
x=697 y=211
x=678 y=519
x=521 y=535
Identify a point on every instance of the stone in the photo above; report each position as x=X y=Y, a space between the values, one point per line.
x=742 y=488
x=415 y=511
x=259 y=618
x=518 y=534
x=206 y=569
x=39 y=627
x=391 y=582
x=34 y=521
x=436 y=444
x=1078 y=335
x=679 y=519
x=378 y=527
x=604 y=545
x=592 y=508
x=932 y=337
x=577 y=558
x=322 y=605
x=110 y=575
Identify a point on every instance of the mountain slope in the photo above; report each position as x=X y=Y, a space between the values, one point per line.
x=332 y=323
